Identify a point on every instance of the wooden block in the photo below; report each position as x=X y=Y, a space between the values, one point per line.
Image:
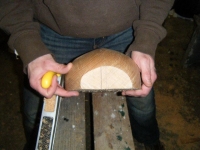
x=70 y=130
x=112 y=129
x=103 y=69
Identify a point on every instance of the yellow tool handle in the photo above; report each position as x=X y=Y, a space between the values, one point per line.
x=47 y=79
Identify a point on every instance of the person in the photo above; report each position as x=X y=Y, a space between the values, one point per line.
x=48 y=35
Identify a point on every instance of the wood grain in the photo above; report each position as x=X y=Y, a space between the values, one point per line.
x=112 y=129
x=103 y=69
x=70 y=130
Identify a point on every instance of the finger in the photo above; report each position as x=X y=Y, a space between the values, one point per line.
x=60 y=68
x=48 y=93
x=62 y=92
x=153 y=75
x=56 y=89
x=143 y=92
x=146 y=73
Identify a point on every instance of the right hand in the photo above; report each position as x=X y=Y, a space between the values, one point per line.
x=148 y=74
x=38 y=67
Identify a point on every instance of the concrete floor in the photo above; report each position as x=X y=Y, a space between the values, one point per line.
x=176 y=89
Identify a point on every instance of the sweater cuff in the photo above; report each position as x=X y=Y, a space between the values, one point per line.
x=29 y=46
x=146 y=40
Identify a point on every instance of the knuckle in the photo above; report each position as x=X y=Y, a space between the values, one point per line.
x=48 y=95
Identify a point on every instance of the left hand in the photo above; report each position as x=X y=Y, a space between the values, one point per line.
x=38 y=67
x=148 y=73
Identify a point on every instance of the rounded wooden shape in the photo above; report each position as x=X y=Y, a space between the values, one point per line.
x=103 y=69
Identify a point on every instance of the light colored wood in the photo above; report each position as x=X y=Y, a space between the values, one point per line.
x=112 y=129
x=103 y=69
x=49 y=104
x=70 y=131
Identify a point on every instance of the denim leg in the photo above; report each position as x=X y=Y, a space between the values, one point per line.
x=142 y=114
x=64 y=48
x=118 y=42
x=32 y=105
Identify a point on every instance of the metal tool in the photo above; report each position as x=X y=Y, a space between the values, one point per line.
x=48 y=122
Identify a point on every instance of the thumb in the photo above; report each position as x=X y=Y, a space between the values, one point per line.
x=62 y=69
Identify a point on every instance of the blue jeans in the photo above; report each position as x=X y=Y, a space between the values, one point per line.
x=65 y=49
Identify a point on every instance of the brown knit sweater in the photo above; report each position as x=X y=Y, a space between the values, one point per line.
x=86 y=19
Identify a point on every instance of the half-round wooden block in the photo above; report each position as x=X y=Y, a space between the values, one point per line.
x=103 y=69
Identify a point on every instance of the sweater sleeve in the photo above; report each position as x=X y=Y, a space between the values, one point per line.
x=148 y=29
x=16 y=18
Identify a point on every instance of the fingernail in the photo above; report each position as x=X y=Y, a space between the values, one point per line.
x=76 y=94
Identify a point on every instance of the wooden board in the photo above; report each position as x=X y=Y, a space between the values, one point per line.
x=112 y=129
x=70 y=130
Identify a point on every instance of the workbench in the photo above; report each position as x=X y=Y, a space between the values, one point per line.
x=97 y=121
